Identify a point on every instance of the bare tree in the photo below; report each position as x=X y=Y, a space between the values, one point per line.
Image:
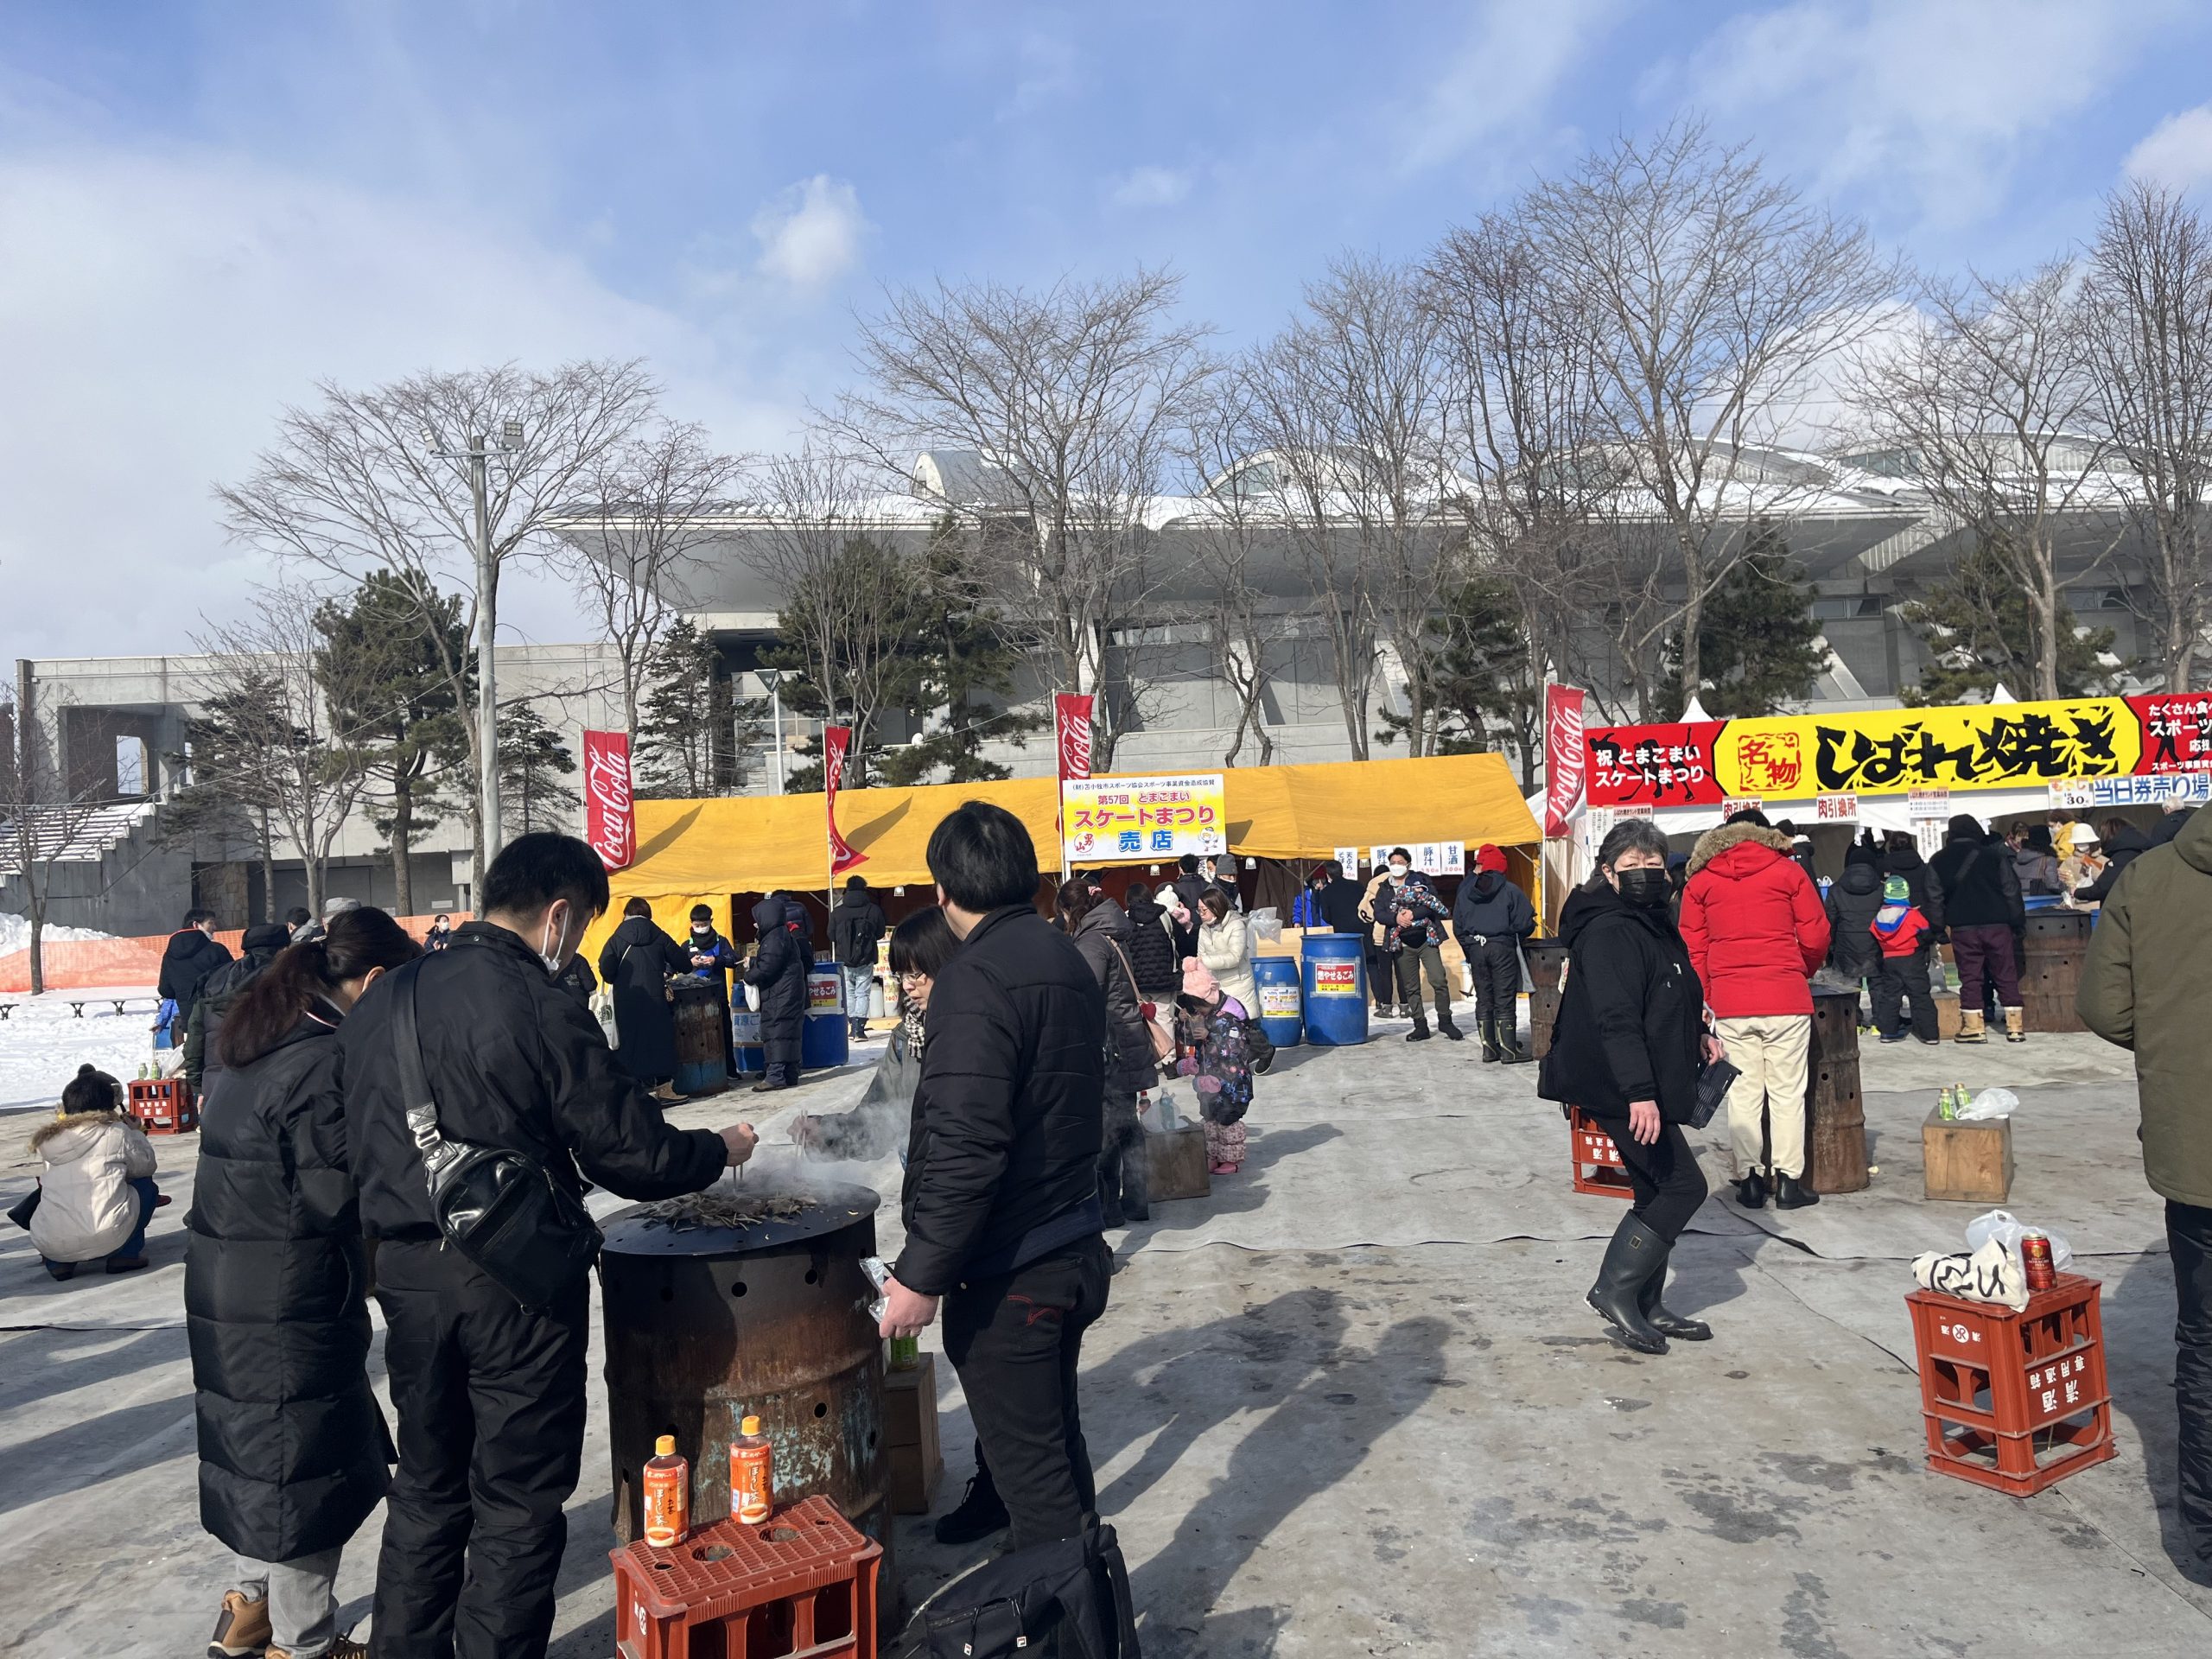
x=1229 y=537
x=1712 y=296
x=444 y=480
x=47 y=820
x=648 y=509
x=2147 y=300
x=1990 y=402
x=1068 y=402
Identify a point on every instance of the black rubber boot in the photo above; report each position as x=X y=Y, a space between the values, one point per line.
x=1750 y=1192
x=1490 y=1052
x=1443 y=1018
x=1654 y=1308
x=1636 y=1256
x=1419 y=1032
x=1507 y=1045
x=1791 y=1194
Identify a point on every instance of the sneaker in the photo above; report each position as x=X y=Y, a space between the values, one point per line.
x=125 y=1263
x=1226 y=1169
x=242 y=1628
x=1895 y=1036
x=979 y=1514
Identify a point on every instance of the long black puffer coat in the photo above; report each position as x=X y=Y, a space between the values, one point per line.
x=1631 y=1018
x=1152 y=951
x=1097 y=937
x=293 y=1451
x=1853 y=950
x=634 y=964
x=778 y=969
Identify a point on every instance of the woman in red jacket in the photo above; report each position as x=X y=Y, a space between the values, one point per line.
x=1756 y=930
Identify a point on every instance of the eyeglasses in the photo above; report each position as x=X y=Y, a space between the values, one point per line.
x=907 y=975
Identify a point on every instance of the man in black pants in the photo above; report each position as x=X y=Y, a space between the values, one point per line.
x=1000 y=1202
x=1490 y=919
x=490 y=1396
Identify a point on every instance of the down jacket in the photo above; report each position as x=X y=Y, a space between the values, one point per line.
x=635 y=964
x=1853 y=950
x=1753 y=923
x=778 y=971
x=1631 y=1014
x=1225 y=947
x=1133 y=1068
x=1002 y=1155
x=293 y=1451
x=260 y=945
x=87 y=1207
x=1152 y=950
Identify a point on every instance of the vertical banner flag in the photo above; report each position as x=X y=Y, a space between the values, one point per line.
x=835 y=740
x=1564 y=757
x=610 y=822
x=1072 y=724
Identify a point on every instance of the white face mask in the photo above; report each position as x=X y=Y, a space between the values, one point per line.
x=1399 y=869
x=552 y=948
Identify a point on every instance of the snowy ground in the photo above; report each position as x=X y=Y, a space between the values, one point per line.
x=42 y=1042
x=16 y=934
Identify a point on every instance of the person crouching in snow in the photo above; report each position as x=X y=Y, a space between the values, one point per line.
x=1213 y=1049
x=97 y=1192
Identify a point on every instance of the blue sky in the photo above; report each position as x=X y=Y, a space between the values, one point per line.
x=205 y=207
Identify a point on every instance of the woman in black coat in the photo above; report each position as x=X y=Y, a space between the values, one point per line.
x=1123 y=1187
x=1627 y=1048
x=293 y=1451
x=778 y=971
x=634 y=963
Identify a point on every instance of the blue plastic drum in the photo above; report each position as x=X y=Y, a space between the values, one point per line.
x=1277 y=978
x=745 y=1037
x=1335 y=990
x=825 y=1040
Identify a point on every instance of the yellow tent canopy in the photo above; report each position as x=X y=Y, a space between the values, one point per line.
x=694 y=852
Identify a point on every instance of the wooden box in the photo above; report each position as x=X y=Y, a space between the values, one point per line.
x=910 y=1436
x=1968 y=1163
x=1176 y=1163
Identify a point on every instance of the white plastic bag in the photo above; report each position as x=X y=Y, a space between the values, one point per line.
x=1157 y=1112
x=1992 y=1273
x=602 y=1009
x=2005 y=1228
x=1266 y=926
x=1990 y=1103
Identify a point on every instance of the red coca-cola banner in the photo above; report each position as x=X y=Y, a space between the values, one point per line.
x=1071 y=722
x=610 y=820
x=1563 y=757
x=836 y=740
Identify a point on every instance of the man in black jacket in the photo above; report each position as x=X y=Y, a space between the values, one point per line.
x=856 y=927
x=192 y=954
x=2123 y=844
x=1983 y=911
x=490 y=1396
x=1001 y=1204
x=1490 y=919
x=218 y=991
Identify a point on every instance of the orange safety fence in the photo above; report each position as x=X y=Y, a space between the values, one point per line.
x=79 y=964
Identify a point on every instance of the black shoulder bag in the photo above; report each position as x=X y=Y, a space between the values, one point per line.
x=501 y=1209
x=1068 y=1600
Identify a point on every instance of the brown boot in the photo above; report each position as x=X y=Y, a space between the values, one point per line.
x=241 y=1629
x=2016 y=1029
x=1971 y=1028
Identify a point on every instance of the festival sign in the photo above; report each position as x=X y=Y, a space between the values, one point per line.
x=1144 y=818
x=1896 y=751
x=1836 y=809
x=2143 y=789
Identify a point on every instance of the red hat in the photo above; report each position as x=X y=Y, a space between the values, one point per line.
x=1487 y=857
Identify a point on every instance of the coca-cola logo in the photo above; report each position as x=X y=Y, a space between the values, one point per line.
x=1564 y=756
x=608 y=825
x=1074 y=737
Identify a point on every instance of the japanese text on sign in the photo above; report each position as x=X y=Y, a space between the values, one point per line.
x=1143 y=817
x=2151 y=789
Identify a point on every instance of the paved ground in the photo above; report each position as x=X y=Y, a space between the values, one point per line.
x=1352 y=1404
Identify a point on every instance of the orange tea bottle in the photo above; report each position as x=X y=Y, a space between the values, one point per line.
x=668 y=1495
x=751 y=1478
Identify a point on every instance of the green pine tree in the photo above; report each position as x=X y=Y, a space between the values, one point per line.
x=1757 y=642
x=1486 y=694
x=532 y=762
x=955 y=658
x=1979 y=632
x=693 y=730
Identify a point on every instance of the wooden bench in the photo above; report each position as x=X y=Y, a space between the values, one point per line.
x=122 y=1005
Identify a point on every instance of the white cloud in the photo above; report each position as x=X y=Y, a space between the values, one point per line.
x=1150 y=186
x=810 y=235
x=1502 y=77
x=159 y=312
x=2177 y=152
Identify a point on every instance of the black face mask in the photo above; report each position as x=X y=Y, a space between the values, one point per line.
x=1644 y=886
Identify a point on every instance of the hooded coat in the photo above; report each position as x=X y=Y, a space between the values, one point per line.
x=186 y=961
x=1853 y=951
x=1631 y=1014
x=87 y=1205
x=1151 y=946
x=1753 y=922
x=856 y=927
x=634 y=964
x=779 y=971
x=202 y=1052
x=293 y=1450
x=2142 y=988
x=2126 y=846
x=1924 y=885
x=1489 y=905
x=1980 y=888
x=1132 y=1067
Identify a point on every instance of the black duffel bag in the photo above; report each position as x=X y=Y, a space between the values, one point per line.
x=500 y=1207
x=1067 y=1600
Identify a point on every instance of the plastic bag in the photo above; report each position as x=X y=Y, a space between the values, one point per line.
x=602 y=1009
x=1992 y=1273
x=1157 y=1111
x=2005 y=1228
x=1990 y=1103
x=1266 y=926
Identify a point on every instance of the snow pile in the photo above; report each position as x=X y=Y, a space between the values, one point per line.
x=16 y=934
x=42 y=1044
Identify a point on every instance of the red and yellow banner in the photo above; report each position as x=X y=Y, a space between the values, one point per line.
x=1895 y=750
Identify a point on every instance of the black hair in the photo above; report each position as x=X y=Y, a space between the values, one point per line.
x=1400 y=852
x=1077 y=900
x=1137 y=892
x=533 y=871
x=92 y=1090
x=856 y=884
x=1750 y=815
x=982 y=857
x=297 y=916
x=634 y=907
x=194 y=918
x=1628 y=836
x=1188 y=863
x=701 y=913
x=441 y=917
x=923 y=944
x=274 y=999
x=1217 y=899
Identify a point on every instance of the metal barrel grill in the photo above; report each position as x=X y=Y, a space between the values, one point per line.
x=708 y=1325
x=1547 y=961
x=702 y=1065
x=2055 y=947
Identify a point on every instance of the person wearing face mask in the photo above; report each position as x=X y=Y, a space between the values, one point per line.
x=712 y=957
x=635 y=964
x=1629 y=1041
x=491 y=1396
x=1408 y=917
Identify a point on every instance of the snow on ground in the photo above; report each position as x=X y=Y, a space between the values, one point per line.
x=16 y=934
x=42 y=1042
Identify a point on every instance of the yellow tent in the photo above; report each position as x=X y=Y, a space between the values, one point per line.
x=693 y=852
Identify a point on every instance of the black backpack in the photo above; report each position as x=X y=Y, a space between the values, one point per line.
x=1067 y=1600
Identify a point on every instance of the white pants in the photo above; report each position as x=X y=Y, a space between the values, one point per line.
x=302 y=1612
x=1770 y=1050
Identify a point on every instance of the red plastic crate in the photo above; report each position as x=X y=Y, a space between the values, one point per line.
x=798 y=1586
x=2014 y=1401
x=164 y=1105
x=1596 y=1161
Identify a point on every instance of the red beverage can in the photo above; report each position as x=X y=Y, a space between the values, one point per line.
x=2035 y=1259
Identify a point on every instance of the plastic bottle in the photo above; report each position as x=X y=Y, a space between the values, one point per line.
x=668 y=1495
x=752 y=1475
x=1943 y=1103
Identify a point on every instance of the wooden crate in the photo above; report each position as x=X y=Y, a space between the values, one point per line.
x=1176 y=1163
x=1967 y=1163
x=910 y=1435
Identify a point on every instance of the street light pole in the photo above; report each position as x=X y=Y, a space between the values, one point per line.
x=774 y=679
